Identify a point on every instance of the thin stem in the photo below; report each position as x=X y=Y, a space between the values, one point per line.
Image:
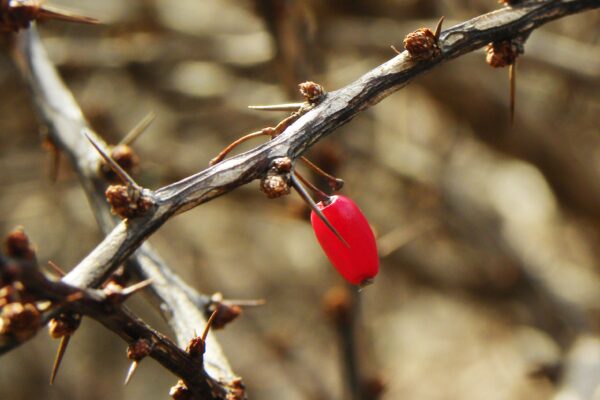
x=219 y=157
x=334 y=182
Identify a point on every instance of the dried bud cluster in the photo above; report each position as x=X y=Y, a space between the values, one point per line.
x=63 y=325
x=18 y=245
x=226 y=313
x=180 y=391
x=282 y=165
x=275 y=186
x=312 y=91
x=237 y=390
x=16 y=15
x=20 y=319
x=196 y=347
x=127 y=202
x=277 y=181
x=422 y=44
x=19 y=316
x=502 y=54
x=139 y=349
x=127 y=159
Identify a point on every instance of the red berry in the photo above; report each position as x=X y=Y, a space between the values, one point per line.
x=358 y=262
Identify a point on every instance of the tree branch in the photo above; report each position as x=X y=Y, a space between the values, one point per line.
x=183 y=307
x=336 y=109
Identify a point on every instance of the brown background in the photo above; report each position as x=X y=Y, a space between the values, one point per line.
x=489 y=233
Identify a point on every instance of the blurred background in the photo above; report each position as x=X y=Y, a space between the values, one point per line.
x=489 y=234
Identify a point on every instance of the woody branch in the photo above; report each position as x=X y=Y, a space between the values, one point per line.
x=183 y=308
x=335 y=109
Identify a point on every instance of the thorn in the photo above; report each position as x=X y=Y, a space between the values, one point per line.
x=278 y=107
x=395 y=49
x=62 y=348
x=512 y=78
x=245 y=303
x=140 y=128
x=130 y=290
x=50 y=12
x=304 y=194
x=128 y=180
x=132 y=368
x=56 y=269
x=209 y=322
x=438 y=29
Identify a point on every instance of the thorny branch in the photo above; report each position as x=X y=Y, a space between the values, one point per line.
x=105 y=307
x=183 y=308
x=336 y=109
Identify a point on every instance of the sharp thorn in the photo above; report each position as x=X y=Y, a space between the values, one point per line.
x=128 y=180
x=512 y=82
x=209 y=322
x=62 y=348
x=438 y=29
x=56 y=269
x=304 y=194
x=244 y=303
x=50 y=12
x=132 y=368
x=278 y=107
x=140 y=128
x=395 y=49
x=128 y=291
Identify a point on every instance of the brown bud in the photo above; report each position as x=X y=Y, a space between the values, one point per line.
x=226 y=313
x=127 y=159
x=237 y=390
x=180 y=392
x=311 y=91
x=139 y=349
x=18 y=245
x=63 y=325
x=282 y=164
x=126 y=202
x=196 y=347
x=275 y=186
x=16 y=15
x=21 y=320
x=422 y=44
x=503 y=53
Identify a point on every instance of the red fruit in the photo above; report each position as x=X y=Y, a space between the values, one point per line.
x=358 y=262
